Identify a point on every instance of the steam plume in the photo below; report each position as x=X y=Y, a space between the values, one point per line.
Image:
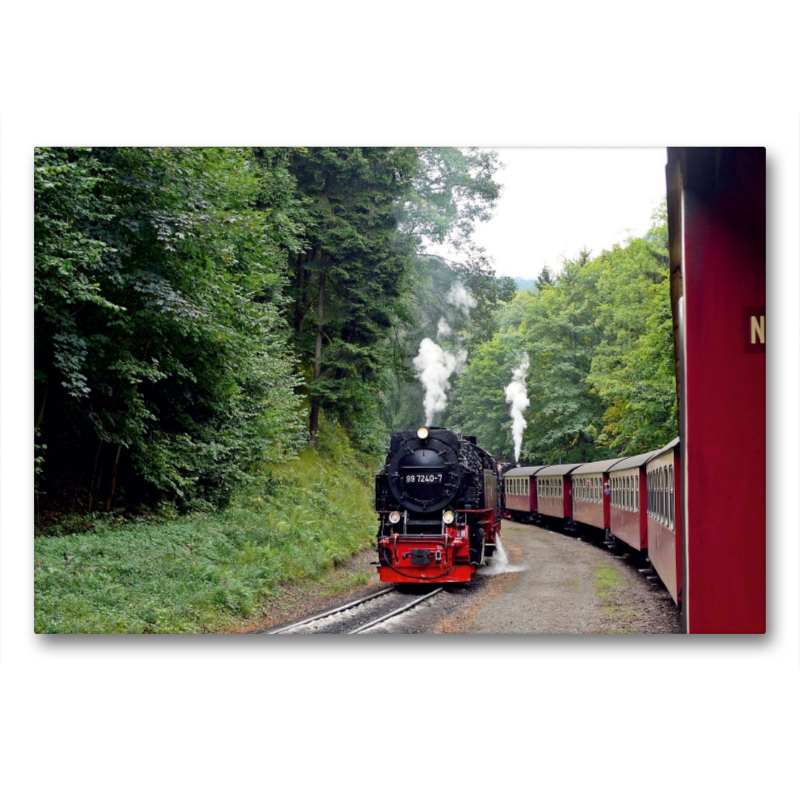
x=459 y=297
x=443 y=328
x=433 y=367
x=517 y=398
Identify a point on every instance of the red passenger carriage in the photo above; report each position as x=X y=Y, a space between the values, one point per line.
x=520 y=491
x=663 y=516
x=590 y=494
x=628 y=506
x=554 y=491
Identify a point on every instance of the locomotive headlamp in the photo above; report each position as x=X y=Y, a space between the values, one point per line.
x=448 y=517
x=394 y=517
x=422 y=433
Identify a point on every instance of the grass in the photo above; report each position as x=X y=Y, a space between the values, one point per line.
x=205 y=571
x=606 y=580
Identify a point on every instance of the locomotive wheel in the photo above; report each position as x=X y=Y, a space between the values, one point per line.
x=478 y=558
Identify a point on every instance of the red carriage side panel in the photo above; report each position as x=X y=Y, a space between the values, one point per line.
x=717 y=217
x=587 y=502
x=590 y=493
x=566 y=496
x=664 y=518
x=628 y=513
x=517 y=502
x=554 y=491
x=551 y=503
x=520 y=491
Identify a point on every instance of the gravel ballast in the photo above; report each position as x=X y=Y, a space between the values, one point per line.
x=552 y=583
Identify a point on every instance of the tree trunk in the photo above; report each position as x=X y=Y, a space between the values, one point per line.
x=94 y=475
x=110 y=498
x=300 y=302
x=40 y=415
x=313 y=423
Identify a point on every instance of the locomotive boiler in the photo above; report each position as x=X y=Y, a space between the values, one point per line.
x=439 y=501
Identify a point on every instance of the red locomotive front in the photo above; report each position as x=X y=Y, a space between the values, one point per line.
x=439 y=506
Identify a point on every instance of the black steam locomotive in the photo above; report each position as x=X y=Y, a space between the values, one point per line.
x=439 y=499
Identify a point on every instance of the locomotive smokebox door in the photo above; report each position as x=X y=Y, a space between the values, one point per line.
x=420 y=558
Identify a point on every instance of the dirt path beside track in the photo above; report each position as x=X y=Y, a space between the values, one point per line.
x=566 y=586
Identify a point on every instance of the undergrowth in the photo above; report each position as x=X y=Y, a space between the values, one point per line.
x=204 y=571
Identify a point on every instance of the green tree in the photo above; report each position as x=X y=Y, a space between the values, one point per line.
x=350 y=279
x=160 y=354
x=633 y=369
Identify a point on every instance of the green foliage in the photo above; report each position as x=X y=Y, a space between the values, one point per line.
x=453 y=189
x=161 y=356
x=204 y=571
x=350 y=278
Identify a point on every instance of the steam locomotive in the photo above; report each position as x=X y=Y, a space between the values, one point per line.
x=439 y=500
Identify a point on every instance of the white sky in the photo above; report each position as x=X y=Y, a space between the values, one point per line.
x=557 y=200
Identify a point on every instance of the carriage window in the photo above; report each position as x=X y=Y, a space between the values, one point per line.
x=671 y=498
x=658 y=494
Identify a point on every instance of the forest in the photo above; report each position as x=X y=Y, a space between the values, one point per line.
x=209 y=321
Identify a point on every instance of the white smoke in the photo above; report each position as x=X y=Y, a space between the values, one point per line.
x=434 y=367
x=517 y=398
x=499 y=563
x=459 y=297
x=443 y=328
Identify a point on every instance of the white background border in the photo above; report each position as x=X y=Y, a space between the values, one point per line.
x=389 y=716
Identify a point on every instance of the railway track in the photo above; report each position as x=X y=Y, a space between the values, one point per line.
x=358 y=616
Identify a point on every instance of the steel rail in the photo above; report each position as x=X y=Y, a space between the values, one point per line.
x=332 y=611
x=397 y=611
